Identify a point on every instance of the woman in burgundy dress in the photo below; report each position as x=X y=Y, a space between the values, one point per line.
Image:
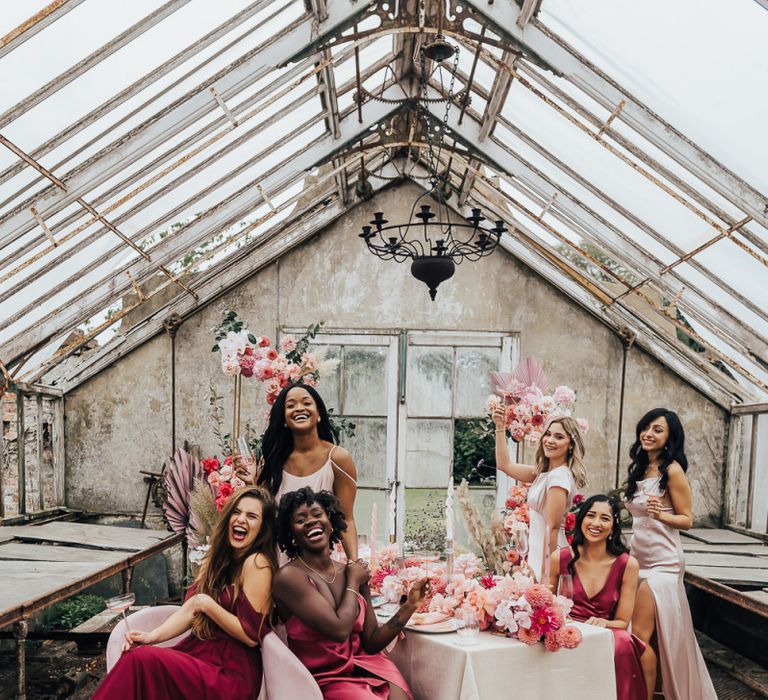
x=604 y=586
x=226 y=608
x=326 y=605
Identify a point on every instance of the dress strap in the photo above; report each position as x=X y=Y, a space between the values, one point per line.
x=337 y=467
x=617 y=570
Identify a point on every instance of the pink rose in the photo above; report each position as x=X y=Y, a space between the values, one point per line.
x=263 y=341
x=209 y=465
x=288 y=343
x=578 y=498
x=225 y=490
x=214 y=479
x=246 y=365
x=271 y=354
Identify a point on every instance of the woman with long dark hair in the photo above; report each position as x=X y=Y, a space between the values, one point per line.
x=326 y=606
x=658 y=495
x=227 y=610
x=604 y=587
x=558 y=470
x=299 y=449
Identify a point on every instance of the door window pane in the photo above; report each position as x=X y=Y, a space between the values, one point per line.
x=369 y=450
x=364 y=378
x=429 y=381
x=473 y=366
x=428 y=446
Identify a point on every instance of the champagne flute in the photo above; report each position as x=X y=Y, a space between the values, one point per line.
x=521 y=544
x=121 y=603
x=565 y=586
x=467 y=626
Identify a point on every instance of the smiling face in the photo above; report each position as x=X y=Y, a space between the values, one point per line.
x=301 y=412
x=655 y=435
x=555 y=443
x=245 y=523
x=598 y=522
x=310 y=527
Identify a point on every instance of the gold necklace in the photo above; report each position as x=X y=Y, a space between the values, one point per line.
x=335 y=570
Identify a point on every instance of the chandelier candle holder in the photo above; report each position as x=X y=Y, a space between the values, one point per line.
x=433 y=242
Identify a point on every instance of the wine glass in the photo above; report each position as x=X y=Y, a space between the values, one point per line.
x=565 y=586
x=467 y=626
x=121 y=603
x=521 y=544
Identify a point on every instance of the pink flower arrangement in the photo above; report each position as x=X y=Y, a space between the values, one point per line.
x=528 y=407
x=221 y=478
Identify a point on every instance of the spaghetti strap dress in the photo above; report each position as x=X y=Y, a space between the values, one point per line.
x=320 y=480
x=627 y=648
x=659 y=551
x=343 y=670
x=197 y=669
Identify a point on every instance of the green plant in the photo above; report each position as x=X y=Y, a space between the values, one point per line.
x=74 y=611
x=474 y=451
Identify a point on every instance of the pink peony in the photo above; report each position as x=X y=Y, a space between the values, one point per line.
x=528 y=636
x=378 y=576
x=539 y=596
x=563 y=395
x=288 y=343
x=552 y=641
x=569 y=637
x=271 y=354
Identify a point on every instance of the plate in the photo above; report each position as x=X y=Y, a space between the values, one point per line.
x=435 y=628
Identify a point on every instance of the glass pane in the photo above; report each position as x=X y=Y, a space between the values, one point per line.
x=472 y=383
x=425 y=518
x=369 y=450
x=484 y=500
x=474 y=457
x=363 y=505
x=330 y=383
x=430 y=375
x=428 y=452
x=364 y=378
x=760 y=487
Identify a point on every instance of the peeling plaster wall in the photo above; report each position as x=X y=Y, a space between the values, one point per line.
x=119 y=422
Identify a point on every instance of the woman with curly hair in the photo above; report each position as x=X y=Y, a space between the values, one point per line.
x=226 y=609
x=559 y=469
x=604 y=586
x=658 y=495
x=300 y=450
x=326 y=606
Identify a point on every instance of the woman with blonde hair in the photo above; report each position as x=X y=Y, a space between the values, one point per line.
x=558 y=471
x=226 y=610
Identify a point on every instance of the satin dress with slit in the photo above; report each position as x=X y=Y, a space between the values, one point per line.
x=659 y=551
x=198 y=669
x=627 y=648
x=343 y=670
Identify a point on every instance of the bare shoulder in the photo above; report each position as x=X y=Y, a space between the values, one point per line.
x=258 y=561
x=633 y=566
x=288 y=577
x=343 y=459
x=675 y=472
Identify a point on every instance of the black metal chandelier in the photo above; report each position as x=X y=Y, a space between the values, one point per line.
x=434 y=243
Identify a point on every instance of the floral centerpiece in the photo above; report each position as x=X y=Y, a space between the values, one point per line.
x=528 y=405
x=512 y=605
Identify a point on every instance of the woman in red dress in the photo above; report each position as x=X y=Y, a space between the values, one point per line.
x=604 y=586
x=326 y=605
x=226 y=608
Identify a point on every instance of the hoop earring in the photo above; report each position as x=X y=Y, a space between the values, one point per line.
x=285 y=425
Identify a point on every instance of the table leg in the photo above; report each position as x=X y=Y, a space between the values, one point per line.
x=22 y=628
x=127 y=575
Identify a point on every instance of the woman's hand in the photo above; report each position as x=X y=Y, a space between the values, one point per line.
x=500 y=417
x=418 y=592
x=653 y=507
x=138 y=637
x=246 y=469
x=597 y=622
x=358 y=573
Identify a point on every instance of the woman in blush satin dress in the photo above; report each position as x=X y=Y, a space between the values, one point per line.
x=226 y=608
x=326 y=606
x=604 y=587
x=658 y=495
x=299 y=450
x=558 y=471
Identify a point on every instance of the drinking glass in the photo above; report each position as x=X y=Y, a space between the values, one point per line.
x=121 y=603
x=521 y=544
x=467 y=627
x=565 y=586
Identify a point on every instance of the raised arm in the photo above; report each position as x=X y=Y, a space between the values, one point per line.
x=345 y=488
x=376 y=637
x=294 y=592
x=679 y=491
x=521 y=472
x=554 y=514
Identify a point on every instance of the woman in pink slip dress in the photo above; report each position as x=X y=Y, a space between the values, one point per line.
x=559 y=469
x=326 y=606
x=604 y=588
x=658 y=495
x=300 y=450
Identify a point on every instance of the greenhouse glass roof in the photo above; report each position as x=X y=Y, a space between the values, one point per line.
x=190 y=143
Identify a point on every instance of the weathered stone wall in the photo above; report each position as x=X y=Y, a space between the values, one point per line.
x=119 y=422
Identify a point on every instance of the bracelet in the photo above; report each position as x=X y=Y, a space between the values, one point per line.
x=351 y=589
x=500 y=430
